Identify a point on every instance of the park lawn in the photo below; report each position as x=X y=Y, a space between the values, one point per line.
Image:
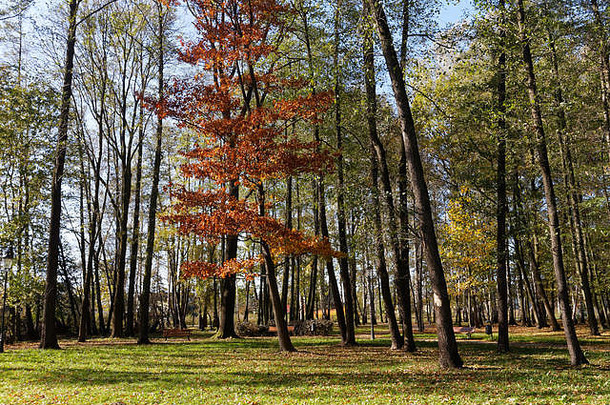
x=252 y=371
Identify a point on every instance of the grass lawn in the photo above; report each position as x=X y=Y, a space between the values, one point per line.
x=252 y=371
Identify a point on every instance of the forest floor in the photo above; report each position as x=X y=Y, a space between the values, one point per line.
x=252 y=371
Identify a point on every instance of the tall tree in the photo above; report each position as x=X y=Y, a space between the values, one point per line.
x=577 y=356
x=576 y=227
x=501 y=204
x=245 y=142
x=350 y=334
x=371 y=112
x=378 y=159
x=448 y=351
x=144 y=310
x=49 y=332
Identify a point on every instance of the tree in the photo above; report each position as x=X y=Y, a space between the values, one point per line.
x=242 y=142
x=577 y=356
x=467 y=251
x=144 y=310
x=378 y=158
x=501 y=204
x=28 y=111
x=449 y=356
x=49 y=333
x=350 y=334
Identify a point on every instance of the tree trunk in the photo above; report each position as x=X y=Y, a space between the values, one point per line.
x=135 y=241
x=353 y=281
x=573 y=196
x=49 y=334
x=403 y=205
x=577 y=356
x=604 y=71
x=144 y=309
x=288 y=219
x=330 y=268
x=448 y=351
x=84 y=325
x=311 y=296
x=371 y=112
x=247 y=305
x=501 y=207
x=350 y=333
x=278 y=310
x=280 y=316
x=118 y=312
x=216 y=320
x=524 y=282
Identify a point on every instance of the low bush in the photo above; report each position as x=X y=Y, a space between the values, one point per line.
x=251 y=329
x=314 y=327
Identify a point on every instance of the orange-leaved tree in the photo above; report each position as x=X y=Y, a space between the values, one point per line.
x=240 y=108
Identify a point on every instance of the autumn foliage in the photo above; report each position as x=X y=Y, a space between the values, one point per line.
x=240 y=108
x=468 y=248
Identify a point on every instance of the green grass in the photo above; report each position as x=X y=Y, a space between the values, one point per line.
x=252 y=371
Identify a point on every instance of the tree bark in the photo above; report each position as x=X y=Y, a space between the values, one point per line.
x=501 y=204
x=287 y=263
x=350 y=333
x=577 y=356
x=330 y=268
x=279 y=310
x=135 y=241
x=604 y=72
x=118 y=312
x=371 y=112
x=144 y=310
x=573 y=196
x=311 y=296
x=448 y=351
x=49 y=334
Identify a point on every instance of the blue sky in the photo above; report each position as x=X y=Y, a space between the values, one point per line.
x=453 y=12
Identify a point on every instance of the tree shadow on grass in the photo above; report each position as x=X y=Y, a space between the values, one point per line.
x=531 y=372
x=301 y=381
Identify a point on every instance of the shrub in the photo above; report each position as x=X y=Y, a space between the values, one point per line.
x=251 y=329
x=314 y=327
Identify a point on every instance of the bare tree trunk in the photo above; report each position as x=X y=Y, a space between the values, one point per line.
x=311 y=296
x=68 y=286
x=287 y=263
x=350 y=333
x=216 y=320
x=353 y=281
x=49 y=334
x=118 y=312
x=448 y=351
x=419 y=271
x=540 y=290
x=278 y=310
x=135 y=241
x=144 y=310
x=228 y=290
x=330 y=268
x=520 y=224
x=501 y=207
x=403 y=205
x=84 y=328
x=528 y=287
x=577 y=356
x=371 y=111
